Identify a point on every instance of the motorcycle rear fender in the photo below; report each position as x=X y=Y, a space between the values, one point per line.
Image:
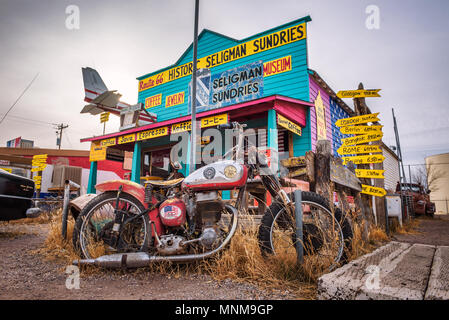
x=134 y=189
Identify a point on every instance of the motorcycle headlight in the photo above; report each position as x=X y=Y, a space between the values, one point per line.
x=230 y=171
x=209 y=173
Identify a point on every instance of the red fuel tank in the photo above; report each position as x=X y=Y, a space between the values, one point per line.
x=173 y=212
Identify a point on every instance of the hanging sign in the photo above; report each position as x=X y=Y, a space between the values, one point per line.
x=364 y=159
x=320 y=118
x=108 y=142
x=289 y=125
x=126 y=138
x=372 y=117
x=205 y=122
x=97 y=152
x=367 y=173
x=104 y=117
x=359 y=93
x=153 y=133
x=362 y=139
x=358 y=149
x=361 y=129
x=373 y=191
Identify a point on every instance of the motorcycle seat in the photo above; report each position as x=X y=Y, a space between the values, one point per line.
x=165 y=184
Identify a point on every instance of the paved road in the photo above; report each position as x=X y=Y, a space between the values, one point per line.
x=416 y=268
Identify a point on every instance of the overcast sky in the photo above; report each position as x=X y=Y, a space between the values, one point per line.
x=408 y=58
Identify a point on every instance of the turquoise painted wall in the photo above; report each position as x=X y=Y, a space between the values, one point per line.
x=293 y=83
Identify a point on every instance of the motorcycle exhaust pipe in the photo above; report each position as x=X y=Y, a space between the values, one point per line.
x=143 y=259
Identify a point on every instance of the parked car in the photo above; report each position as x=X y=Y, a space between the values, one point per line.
x=420 y=200
x=16 y=193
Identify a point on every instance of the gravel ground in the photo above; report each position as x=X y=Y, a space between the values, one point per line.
x=430 y=231
x=26 y=275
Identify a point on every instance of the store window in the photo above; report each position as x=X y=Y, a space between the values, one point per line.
x=156 y=163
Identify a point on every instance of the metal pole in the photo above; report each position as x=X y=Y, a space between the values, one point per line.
x=65 y=208
x=193 y=93
x=409 y=174
x=387 y=224
x=299 y=236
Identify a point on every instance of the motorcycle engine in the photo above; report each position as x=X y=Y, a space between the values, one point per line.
x=208 y=210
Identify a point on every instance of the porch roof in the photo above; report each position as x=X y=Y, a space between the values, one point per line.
x=293 y=109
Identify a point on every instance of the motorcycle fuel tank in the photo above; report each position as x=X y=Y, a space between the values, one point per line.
x=222 y=175
x=173 y=212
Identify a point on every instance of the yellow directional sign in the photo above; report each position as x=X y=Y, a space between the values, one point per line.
x=367 y=173
x=372 y=117
x=362 y=139
x=361 y=129
x=374 y=191
x=375 y=158
x=39 y=162
x=359 y=93
x=366 y=148
x=104 y=117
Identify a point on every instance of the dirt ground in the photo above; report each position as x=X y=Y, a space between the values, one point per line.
x=26 y=275
x=430 y=231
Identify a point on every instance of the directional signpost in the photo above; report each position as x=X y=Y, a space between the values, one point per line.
x=359 y=144
x=359 y=93
x=39 y=163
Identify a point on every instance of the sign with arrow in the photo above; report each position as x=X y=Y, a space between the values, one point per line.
x=373 y=191
x=358 y=149
x=362 y=139
x=104 y=117
x=359 y=93
x=372 y=117
x=376 y=158
x=367 y=173
x=361 y=129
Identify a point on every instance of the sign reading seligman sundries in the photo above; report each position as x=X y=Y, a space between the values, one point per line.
x=355 y=145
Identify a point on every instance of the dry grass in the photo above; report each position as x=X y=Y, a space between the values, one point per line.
x=408 y=227
x=241 y=262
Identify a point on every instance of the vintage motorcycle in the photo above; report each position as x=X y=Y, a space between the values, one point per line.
x=185 y=219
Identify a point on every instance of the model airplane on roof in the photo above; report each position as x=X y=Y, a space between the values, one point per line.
x=101 y=99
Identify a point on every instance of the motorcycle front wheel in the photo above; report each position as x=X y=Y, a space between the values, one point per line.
x=326 y=235
x=92 y=234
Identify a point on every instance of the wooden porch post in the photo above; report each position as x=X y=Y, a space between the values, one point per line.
x=137 y=154
x=92 y=177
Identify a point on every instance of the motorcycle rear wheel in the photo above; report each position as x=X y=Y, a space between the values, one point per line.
x=95 y=221
x=326 y=236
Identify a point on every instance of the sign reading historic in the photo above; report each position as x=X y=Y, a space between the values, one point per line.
x=372 y=117
x=368 y=173
x=373 y=191
x=358 y=149
x=361 y=129
x=320 y=118
x=362 y=139
x=257 y=45
x=289 y=125
x=359 y=93
x=375 y=158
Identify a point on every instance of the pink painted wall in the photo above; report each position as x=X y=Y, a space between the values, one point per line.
x=314 y=87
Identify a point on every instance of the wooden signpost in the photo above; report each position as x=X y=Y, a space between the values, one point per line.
x=362 y=139
x=366 y=118
x=367 y=159
x=368 y=173
x=361 y=129
x=359 y=93
x=343 y=150
x=39 y=164
x=374 y=191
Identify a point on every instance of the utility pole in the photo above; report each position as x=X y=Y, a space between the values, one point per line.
x=193 y=138
x=59 y=128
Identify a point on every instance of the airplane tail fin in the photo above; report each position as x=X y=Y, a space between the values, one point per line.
x=93 y=84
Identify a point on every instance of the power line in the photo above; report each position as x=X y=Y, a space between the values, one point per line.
x=17 y=100
x=59 y=128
